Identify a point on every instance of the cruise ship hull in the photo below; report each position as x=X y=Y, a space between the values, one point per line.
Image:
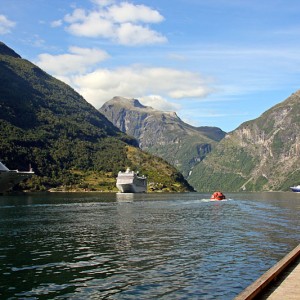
x=130 y=188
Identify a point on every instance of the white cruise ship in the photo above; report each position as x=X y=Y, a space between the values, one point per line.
x=130 y=182
x=9 y=178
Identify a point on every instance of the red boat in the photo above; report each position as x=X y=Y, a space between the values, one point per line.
x=217 y=196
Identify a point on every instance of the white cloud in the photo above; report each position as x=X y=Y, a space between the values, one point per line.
x=56 y=23
x=78 y=15
x=193 y=93
x=130 y=34
x=93 y=25
x=6 y=25
x=103 y=2
x=138 y=82
x=127 y=12
x=77 y=61
x=160 y=103
x=124 y=23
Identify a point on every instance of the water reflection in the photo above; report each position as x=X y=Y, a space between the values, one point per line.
x=129 y=246
x=125 y=197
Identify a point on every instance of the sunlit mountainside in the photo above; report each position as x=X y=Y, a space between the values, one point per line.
x=260 y=155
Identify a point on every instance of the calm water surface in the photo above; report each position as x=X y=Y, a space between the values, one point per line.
x=152 y=246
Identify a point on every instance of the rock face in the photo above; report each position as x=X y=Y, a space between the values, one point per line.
x=162 y=133
x=261 y=154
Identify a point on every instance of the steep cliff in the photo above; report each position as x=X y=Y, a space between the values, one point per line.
x=162 y=133
x=261 y=154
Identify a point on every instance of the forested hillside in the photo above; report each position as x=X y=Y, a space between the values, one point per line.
x=68 y=143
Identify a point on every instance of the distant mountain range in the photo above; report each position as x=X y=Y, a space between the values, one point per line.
x=163 y=133
x=260 y=155
x=69 y=144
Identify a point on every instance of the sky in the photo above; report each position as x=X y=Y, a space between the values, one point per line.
x=214 y=62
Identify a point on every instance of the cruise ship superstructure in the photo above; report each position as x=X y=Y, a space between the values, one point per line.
x=131 y=182
x=9 y=178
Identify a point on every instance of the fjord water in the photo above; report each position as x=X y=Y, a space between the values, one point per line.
x=151 y=246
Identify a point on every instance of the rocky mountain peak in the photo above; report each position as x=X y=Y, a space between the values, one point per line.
x=137 y=103
x=124 y=101
x=133 y=104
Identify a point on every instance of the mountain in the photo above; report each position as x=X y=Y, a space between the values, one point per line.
x=162 y=133
x=68 y=142
x=260 y=155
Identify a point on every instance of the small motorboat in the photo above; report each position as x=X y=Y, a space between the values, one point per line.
x=217 y=196
x=295 y=189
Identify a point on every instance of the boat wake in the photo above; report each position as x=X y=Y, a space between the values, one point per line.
x=213 y=200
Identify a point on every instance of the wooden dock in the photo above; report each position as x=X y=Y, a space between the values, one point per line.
x=280 y=282
x=289 y=288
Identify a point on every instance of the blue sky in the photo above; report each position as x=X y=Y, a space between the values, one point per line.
x=214 y=62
